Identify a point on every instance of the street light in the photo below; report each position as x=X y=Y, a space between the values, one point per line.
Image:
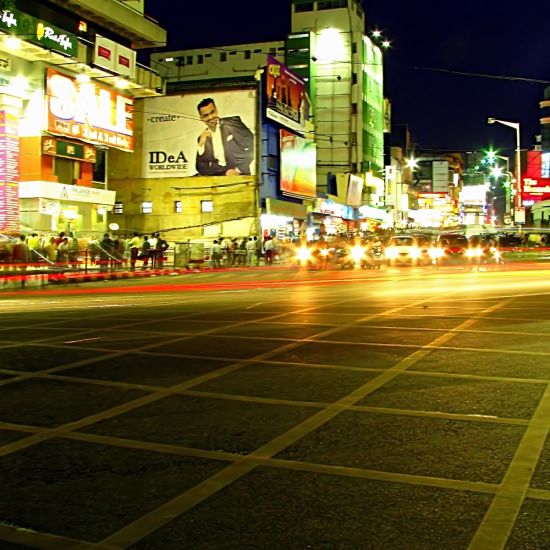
x=515 y=125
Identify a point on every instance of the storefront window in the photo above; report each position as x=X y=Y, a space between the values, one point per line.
x=146 y=207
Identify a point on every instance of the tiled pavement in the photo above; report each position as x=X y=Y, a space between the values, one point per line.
x=351 y=416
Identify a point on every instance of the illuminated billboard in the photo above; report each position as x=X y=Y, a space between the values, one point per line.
x=89 y=112
x=287 y=100
x=200 y=134
x=535 y=187
x=298 y=166
x=9 y=172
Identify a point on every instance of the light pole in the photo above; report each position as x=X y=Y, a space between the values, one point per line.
x=515 y=125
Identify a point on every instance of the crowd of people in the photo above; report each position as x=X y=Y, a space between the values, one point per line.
x=246 y=251
x=65 y=250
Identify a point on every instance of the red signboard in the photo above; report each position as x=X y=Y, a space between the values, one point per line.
x=534 y=187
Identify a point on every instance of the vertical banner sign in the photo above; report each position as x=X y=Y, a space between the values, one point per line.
x=298 y=166
x=9 y=173
x=287 y=100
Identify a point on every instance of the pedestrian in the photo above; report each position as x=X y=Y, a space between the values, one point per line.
x=59 y=239
x=251 y=253
x=20 y=256
x=160 y=249
x=20 y=253
x=74 y=249
x=258 y=245
x=241 y=252
x=118 y=252
x=33 y=242
x=153 y=249
x=63 y=251
x=134 y=246
x=145 y=251
x=231 y=251
x=106 y=249
x=269 y=250
x=216 y=254
x=50 y=250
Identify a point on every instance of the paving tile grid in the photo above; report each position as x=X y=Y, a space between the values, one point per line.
x=183 y=417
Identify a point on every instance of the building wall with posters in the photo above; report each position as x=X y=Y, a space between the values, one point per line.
x=344 y=80
x=67 y=86
x=176 y=186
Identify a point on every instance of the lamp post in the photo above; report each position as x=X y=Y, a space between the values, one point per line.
x=515 y=125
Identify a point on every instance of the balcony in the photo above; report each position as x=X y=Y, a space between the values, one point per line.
x=143 y=32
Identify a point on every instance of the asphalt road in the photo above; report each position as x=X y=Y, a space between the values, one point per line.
x=402 y=409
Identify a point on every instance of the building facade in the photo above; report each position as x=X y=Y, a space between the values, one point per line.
x=68 y=80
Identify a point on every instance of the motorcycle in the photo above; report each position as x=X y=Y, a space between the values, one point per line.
x=375 y=257
x=349 y=257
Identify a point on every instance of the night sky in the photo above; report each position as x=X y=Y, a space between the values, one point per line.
x=432 y=41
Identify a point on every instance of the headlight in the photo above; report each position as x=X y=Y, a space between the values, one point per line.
x=357 y=253
x=435 y=253
x=303 y=254
x=474 y=252
x=391 y=253
x=414 y=253
x=324 y=252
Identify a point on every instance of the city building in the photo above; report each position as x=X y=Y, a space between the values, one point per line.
x=68 y=81
x=341 y=71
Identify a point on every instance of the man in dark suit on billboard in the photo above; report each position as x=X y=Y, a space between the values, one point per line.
x=226 y=146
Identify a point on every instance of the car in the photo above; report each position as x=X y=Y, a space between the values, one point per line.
x=451 y=247
x=402 y=249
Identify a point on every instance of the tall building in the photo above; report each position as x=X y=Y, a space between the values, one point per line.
x=328 y=46
x=68 y=79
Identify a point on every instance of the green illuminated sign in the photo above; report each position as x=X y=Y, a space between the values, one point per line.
x=40 y=32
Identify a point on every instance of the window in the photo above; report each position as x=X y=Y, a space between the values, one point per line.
x=306 y=6
x=247 y=54
x=331 y=4
x=189 y=60
x=207 y=55
x=223 y=56
x=118 y=208
x=353 y=47
x=200 y=59
x=354 y=108
x=177 y=207
x=545 y=165
x=207 y=206
x=146 y=207
x=258 y=51
x=272 y=51
x=354 y=78
x=66 y=170
x=100 y=165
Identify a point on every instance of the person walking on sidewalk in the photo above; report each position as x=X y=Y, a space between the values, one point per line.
x=145 y=252
x=251 y=252
x=269 y=250
x=216 y=255
x=134 y=246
